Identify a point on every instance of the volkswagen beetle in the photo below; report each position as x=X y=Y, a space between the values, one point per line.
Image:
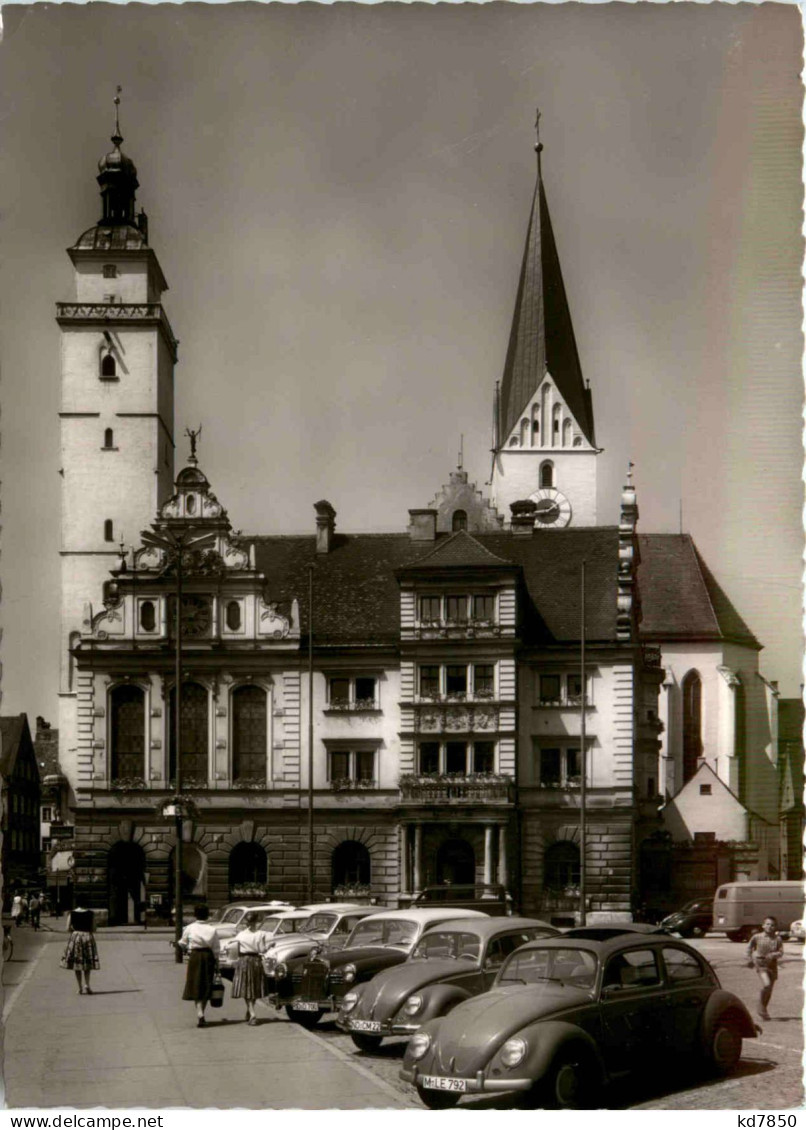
x=568 y=1015
x=452 y=962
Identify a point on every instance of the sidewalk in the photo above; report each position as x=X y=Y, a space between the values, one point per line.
x=134 y=1043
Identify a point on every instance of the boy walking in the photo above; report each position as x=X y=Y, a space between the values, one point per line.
x=763 y=952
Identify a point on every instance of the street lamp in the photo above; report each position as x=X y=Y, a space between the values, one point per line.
x=177 y=546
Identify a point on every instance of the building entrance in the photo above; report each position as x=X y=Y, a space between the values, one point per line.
x=456 y=862
x=126 y=875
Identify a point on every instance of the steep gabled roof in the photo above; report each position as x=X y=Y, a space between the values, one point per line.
x=680 y=599
x=13 y=731
x=542 y=334
x=460 y=550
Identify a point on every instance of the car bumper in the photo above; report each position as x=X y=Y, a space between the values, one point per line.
x=385 y=1027
x=326 y=1004
x=474 y=1085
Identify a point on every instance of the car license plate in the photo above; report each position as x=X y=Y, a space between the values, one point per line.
x=366 y=1025
x=441 y=1083
x=306 y=1006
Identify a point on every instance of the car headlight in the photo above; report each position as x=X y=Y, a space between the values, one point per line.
x=280 y=970
x=513 y=1051
x=349 y=1002
x=419 y=1045
x=349 y=973
x=413 y=1005
x=269 y=964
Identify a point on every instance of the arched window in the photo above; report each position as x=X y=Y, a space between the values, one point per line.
x=190 y=504
x=351 y=865
x=195 y=729
x=692 y=724
x=109 y=534
x=577 y=441
x=459 y=520
x=535 y=422
x=109 y=438
x=108 y=366
x=524 y=432
x=555 y=423
x=561 y=866
x=128 y=732
x=514 y=442
x=148 y=616
x=546 y=475
x=566 y=433
x=248 y=867
x=249 y=734
x=233 y=615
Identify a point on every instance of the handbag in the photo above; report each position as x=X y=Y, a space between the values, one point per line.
x=217 y=991
x=63 y=960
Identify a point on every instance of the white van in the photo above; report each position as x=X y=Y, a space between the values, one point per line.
x=740 y=908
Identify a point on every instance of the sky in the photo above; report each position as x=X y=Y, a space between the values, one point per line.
x=338 y=197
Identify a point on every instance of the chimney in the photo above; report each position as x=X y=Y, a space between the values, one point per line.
x=422 y=525
x=325 y=525
x=522 y=523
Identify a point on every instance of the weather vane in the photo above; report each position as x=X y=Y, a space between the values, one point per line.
x=538 y=144
x=630 y=466
x=118 y=92
x=193 y=437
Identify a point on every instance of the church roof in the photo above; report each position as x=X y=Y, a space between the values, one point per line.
x=357 y=596
x=680 y=598
x=111 y=237
x=13 y=732
x=542 y=335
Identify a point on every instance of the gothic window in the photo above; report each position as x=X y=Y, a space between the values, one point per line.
x=108 y=530
x=148 y=616
x=546 y=476
x=249 y=723
x=561 y=866
x=128 y=718
x=234 y=615
x=109 y=438
x=535 y=422
x=524 y=432
x=555 y=421
x=195 y=729
x=459 y=520
x=566 y=433
x=692 y=724
x=108 y=366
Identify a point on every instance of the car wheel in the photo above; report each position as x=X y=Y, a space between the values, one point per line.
x=697 y=931
x=366 y=1043
x=726 y=1046
x=571 y=1082
x=305 y=1019
x=437 y=1100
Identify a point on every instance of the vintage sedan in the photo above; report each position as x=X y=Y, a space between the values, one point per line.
x=326 y=925
x=451 y=962
x=314 y=985
x=279 y=924
x=569 y=1015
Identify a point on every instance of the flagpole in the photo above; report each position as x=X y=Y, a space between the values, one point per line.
x=583 y=758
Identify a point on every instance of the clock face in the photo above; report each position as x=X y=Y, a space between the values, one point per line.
x=196 y=616
x=553 y=508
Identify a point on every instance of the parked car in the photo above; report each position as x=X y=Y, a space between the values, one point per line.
x=491 y=898
x=326 y=925
x=692 y=920
x=568 y=1015
x=311 y=986
x=797 y=931
x=228 y=920
x=452 y=962
x=740 y=908
x=278 y=924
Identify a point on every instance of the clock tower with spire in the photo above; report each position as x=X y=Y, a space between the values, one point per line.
x=117 y=371
x=544 y=448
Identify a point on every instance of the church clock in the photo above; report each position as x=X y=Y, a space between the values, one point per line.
x=553 y=508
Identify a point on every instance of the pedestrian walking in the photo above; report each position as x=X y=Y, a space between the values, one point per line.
x=200 y=941
x=16 y=910
x=81 y=954
x=24 y=907
x=763 y=951
x=35 y=909
x=249 y=982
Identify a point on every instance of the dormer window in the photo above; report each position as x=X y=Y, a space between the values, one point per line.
x=456 y=609
x=459 y=520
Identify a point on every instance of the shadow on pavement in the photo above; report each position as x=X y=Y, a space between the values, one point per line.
x=110 y=992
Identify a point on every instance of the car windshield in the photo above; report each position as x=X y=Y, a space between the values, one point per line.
x=234 y=915
x=318 y=924
x=383 y=932
x=695 y=904
x=448 y=943
x=569 y=966
x=271 y=924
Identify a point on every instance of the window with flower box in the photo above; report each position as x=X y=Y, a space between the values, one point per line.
x=456 y=758
x=561 y=688
x=358 y=692
x=458 y=681
x=559 y=765
x=351 y=768
x=464 y=609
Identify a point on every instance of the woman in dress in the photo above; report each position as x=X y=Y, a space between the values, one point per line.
x=81 y=954
x=249 y=981
x=200 y=941
x=16 y=910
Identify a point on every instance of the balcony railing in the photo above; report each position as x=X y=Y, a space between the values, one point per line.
x=434 y=629
x=478 y=788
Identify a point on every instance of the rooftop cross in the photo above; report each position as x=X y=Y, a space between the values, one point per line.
x=117 y=136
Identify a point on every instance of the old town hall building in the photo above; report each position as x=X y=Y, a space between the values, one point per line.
x=432 y=676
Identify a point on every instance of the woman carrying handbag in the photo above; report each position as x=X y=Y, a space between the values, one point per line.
x=200 y=941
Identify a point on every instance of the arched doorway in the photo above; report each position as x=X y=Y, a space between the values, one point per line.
x=248 y=870
x=351 y=868
x=194 y=872
x=456 y=862
x=125 y=868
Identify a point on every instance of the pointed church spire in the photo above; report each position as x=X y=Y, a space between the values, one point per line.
x=542 y=336
x=117 y=177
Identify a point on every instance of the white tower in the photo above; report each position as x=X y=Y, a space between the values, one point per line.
x=543 y=436
x=117 y=359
